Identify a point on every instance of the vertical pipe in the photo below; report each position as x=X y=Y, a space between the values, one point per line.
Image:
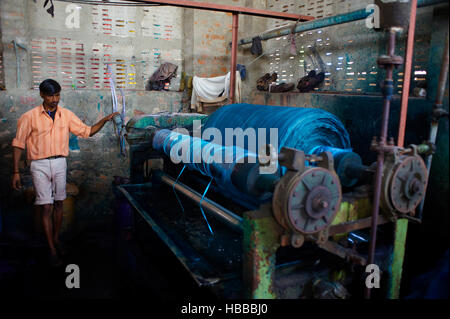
x=380 y=158
x=435 y=122
x=407 y=73
x=234 y=57
x=443 y=77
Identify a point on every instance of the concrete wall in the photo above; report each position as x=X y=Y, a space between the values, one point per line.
x=207 y=42
x=126 y=37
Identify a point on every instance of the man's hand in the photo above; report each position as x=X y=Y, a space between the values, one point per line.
x=110 y=116
x=98 y=126
x=16 y=184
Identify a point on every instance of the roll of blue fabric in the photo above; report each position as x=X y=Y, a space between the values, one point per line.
x=298 y=127
x=308 y=129
x=212 y=160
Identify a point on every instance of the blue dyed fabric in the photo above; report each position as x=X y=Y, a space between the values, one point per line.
x=336 y=152
x=209 y=159
x=308 y=129
x=300 y=128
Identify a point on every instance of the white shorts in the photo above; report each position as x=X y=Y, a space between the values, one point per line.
x=49 y=180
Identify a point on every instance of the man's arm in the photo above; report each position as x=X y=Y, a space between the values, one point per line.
x=16 y=184
x=18 y=144
x=98 y=126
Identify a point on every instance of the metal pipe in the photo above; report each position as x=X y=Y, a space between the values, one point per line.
x=435 y=121
x=344 y=253
x=328 y=22
x=407 y=73
x=425 y=3
x=443 y=78
x=229 y=9
x=311 y=25
x=354 y=225
x=387 y=92
x=234 y=57
x=224 y=214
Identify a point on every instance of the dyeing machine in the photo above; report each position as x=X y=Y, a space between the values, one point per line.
x=298 y=231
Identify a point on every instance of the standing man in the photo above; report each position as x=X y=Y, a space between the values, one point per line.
x=44 y=131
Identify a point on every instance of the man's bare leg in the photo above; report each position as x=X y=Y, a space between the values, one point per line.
x=46 y=211
x=37 y=213
x=57 y=220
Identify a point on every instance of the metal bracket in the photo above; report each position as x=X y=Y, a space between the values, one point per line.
x=292 y=159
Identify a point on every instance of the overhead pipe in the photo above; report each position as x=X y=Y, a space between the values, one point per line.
x=312 y=25
x=328 y=22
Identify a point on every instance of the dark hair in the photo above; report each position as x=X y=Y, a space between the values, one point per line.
x=49 y=87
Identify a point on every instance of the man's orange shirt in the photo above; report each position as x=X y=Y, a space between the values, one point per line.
x=44 y=137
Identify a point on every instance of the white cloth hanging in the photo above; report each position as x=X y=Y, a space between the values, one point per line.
x=211 y=88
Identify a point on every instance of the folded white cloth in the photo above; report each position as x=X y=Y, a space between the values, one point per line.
x=211 y=88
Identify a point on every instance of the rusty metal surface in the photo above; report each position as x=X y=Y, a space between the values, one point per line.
x=307 y=202
x=260 y=243
x=345 y=253
x=388 y=60
x=355 y=225
x=405 y=179
x=316 y=210
x=408 y=185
